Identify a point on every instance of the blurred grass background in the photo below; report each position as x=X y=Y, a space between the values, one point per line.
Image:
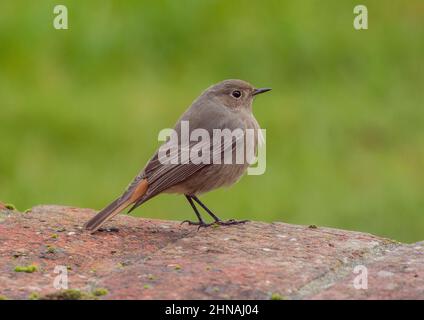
x=80 y=109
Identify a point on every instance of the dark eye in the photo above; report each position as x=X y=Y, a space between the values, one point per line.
x=236 y=94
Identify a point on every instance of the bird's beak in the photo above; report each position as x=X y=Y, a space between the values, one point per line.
x=260 y=90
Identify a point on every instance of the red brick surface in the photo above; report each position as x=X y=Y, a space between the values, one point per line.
x=154 y=259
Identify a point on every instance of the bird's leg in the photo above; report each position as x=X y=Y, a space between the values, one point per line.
x=217 y=220
x=200 y=223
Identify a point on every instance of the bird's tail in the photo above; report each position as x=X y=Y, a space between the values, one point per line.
x=116 y=206
x=107 y=213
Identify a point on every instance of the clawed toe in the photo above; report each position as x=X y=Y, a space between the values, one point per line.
x=231 y=222
x=202 y=224
x=198 y=223
x=193 y=223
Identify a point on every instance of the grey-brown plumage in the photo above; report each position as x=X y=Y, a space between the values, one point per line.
x=226 y=105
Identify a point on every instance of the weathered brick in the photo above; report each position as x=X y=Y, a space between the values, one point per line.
x=154 y=259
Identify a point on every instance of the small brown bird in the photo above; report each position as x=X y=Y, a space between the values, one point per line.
x=226 y=105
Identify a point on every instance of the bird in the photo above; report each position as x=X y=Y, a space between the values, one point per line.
x=225 y=105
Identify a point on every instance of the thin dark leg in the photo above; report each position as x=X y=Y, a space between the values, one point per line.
x=206 y=209
x=217 y=220
x=201 y=222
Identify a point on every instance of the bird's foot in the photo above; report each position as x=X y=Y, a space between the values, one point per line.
x=202 y=224
x=230 y=222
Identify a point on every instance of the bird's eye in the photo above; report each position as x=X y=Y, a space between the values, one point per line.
x=236 y=94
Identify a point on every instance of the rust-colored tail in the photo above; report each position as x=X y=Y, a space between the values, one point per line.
x=117 y=206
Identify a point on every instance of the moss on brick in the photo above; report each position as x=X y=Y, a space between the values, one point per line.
x=10 y=206
x=27 y=269
x=51 y=249
x=100 y=292
x=277 y=296
x=34 y=296
x=70 y=294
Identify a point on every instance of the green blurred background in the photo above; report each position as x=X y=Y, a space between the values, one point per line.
x=80 y=109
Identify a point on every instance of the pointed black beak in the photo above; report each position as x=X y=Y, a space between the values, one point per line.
x=260 y=90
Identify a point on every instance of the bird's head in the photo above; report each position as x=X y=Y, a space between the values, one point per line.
x=234 y=94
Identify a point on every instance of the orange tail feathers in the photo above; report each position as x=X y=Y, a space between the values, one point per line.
x=117 y=206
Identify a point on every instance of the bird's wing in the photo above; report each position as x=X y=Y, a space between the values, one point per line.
x=161 y=177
